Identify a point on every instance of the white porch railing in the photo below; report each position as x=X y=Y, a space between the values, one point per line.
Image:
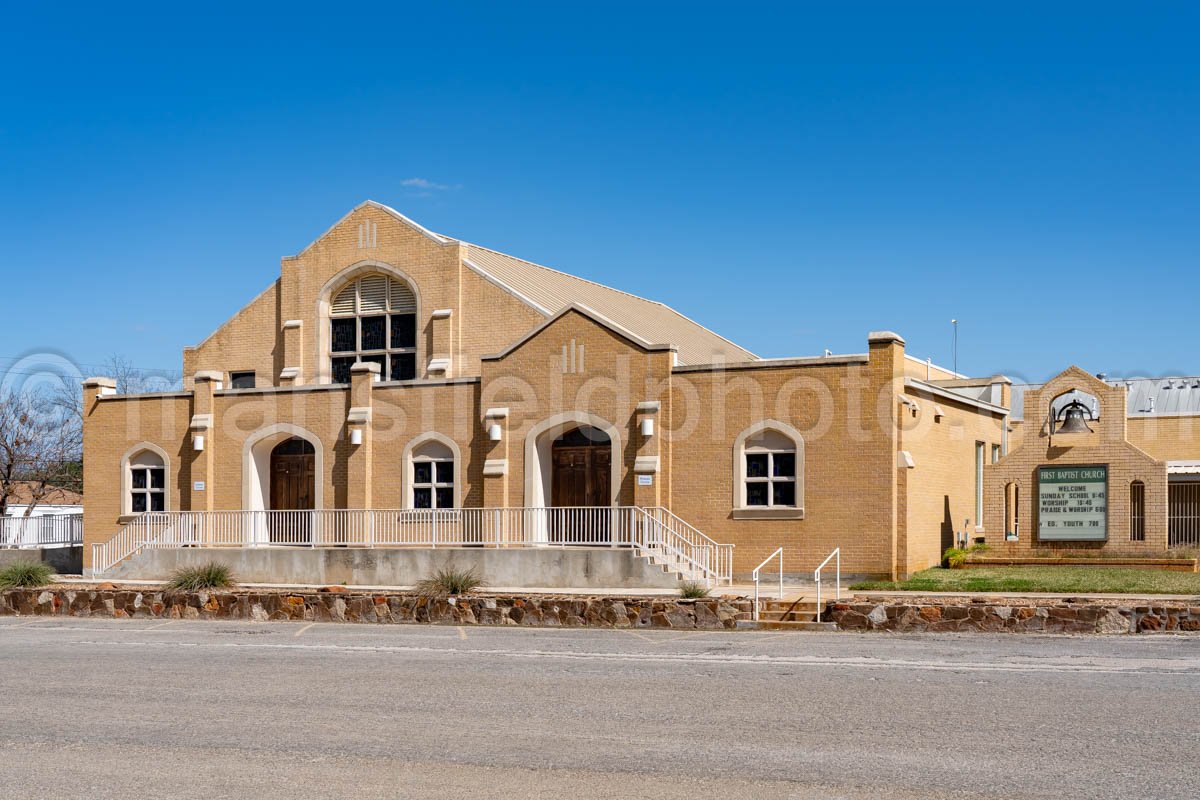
x=654 y=532
x=50 y=530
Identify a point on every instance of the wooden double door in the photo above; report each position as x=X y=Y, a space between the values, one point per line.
x=581 y=487
x=293 y=490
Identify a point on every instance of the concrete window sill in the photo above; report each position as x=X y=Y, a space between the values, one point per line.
x=768 y=513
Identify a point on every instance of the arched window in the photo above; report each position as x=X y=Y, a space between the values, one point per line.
x=145 y=482
x=769 y=471
x=1137 y=511
x=1012 y=512
x=374 y=318
x=433 y=476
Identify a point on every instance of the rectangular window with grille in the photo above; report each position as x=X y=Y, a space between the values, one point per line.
x=1137 y=512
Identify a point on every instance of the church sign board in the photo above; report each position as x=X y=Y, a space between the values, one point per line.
x=1073 y=504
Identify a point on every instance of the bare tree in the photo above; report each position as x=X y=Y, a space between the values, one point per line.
x=41 y=433
x=39 y=450
x=68 y=396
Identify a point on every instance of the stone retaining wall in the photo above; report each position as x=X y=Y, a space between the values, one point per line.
x=1020 y=615
x=344 y=606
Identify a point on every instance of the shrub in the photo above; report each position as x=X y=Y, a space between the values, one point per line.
x=449 y=581
x=693 y=590
x=954 y=557
x=207 y=576
x=25 y=575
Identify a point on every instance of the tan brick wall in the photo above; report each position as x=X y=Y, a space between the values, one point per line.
x=114 y=427
x=844 y=413
x=1166 y=438
x=941 y=486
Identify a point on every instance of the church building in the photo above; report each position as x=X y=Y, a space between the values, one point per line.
x=396 y=389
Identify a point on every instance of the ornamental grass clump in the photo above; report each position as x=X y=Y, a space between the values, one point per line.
x=692 y=590
x=206 y=576
x=449 y=581
x=956 y=557
x=25 y=575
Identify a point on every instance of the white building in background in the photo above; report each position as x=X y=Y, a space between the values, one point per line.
x=58 y=502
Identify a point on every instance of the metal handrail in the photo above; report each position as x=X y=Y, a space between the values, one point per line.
x=717 y=557
x=758 y=569
x=837 y=555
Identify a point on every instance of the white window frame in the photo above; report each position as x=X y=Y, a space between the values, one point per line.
x=134 y=460
x=741 y=510
x=413 y=456
x=359 y=353
x=770 y=479
x=433 y=484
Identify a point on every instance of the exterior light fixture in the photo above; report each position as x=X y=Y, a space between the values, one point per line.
x=494 y=432
x=198 y=442
x=648 y=427
x=356 y=436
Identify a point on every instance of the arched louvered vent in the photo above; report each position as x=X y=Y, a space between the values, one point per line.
x=374 y=294
x=344 y=302
x=402 y=298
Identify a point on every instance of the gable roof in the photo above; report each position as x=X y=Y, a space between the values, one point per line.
x=549 y=291
x=591 y=314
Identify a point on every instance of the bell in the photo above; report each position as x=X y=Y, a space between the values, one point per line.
x=1076 y=416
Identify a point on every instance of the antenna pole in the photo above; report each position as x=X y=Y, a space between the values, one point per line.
x=954 y=322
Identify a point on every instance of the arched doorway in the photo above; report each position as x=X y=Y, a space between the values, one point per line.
x=582 y=459
x=293 y=490
x=580 y=486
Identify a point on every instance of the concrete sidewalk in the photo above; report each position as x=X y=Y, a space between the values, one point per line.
x=1140 y=599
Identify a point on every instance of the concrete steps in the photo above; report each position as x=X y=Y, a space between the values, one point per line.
x=794 y=613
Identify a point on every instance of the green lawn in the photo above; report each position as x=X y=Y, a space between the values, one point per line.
x=1045 y=579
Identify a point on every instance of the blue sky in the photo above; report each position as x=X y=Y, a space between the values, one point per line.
x=791 y=175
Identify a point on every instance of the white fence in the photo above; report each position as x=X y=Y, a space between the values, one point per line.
x=655 y=532
x=50 y=530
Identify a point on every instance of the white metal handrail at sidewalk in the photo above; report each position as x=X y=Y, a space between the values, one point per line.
x=48 y=530
x=755 y=575
x=836 y=556
x=690 y=553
